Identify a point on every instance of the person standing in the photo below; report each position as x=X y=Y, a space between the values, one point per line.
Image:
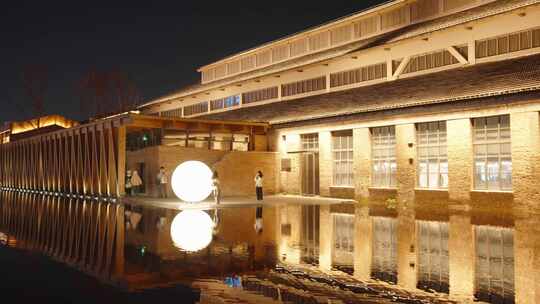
x=162 y=182
x=128 y=183
x=259 y=185
x=136 y=182
x=216 y=188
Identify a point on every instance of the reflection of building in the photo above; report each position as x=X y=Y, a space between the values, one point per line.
x=467 y=254
x=235 y=247
x=404 y=100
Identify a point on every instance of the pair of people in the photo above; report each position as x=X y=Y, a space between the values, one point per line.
x=216 y=189
x=133 y=182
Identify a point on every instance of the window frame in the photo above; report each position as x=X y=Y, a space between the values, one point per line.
x=502 y=143
x=430 y=147
x=383 y=143
x=345 y=166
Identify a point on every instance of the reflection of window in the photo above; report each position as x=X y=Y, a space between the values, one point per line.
x=383 y=156
x=492 y=154
x=343 y=239
x=432 y=159
x=384 y=260
x=494 y=264
x=342 y=148
x=433 y=257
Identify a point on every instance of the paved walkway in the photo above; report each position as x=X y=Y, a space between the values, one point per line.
x=234 y=201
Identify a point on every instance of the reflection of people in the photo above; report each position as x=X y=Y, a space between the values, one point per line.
x=259 y=220
x=162 y=182
x=136 y=182
x=216 y=188
x=216 y=222
x=259 y=185
x=234 y=281
x=237 y=281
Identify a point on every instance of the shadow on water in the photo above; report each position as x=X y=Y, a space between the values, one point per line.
x=64 y=249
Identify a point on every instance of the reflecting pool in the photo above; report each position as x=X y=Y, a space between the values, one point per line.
x=304 y=253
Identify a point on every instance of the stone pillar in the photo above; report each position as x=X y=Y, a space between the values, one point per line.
x=362 y=163
x=527 y=260
x=406 y=164
x=290 y=215
x=121 y=152
x=325 y=162
x=291 y=181
x=406 y=248
x=460 y=159
x=461 y=257
x=326 y=230
x=525 y=135
x=363 y=243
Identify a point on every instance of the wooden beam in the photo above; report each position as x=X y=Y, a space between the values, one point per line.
x=175 y=125
x=457 y=55
x=401 y=67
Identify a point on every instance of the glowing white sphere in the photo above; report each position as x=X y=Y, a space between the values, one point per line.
x=191 y=230
x=192 y=181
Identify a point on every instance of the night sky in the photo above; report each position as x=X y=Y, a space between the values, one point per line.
x=157 y=45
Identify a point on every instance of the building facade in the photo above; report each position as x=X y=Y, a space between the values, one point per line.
x=403 y=102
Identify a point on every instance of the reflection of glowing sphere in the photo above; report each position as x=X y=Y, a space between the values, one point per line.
x=191 y=230
x=192 y=181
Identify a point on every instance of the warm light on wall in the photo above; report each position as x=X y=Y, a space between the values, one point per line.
x=42 y=122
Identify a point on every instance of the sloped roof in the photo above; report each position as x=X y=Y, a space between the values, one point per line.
x=490 y=9
x=488 y=79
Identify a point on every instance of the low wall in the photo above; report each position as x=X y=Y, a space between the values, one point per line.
x=236 y=169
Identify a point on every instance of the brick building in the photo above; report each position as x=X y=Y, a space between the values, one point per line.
x=409 y=100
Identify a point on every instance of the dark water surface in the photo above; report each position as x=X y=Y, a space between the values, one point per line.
x=66 y=250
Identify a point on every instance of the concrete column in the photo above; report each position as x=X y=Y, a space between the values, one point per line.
x=461 y=257
x=406 y=249
x=527 y=260
x=525 y=135
x=406 y=164
x=291 y=181
x=460 y=159
x=121 y=154
x=288 y=245
x=362 y=162
x=363 y=243
x=326 y=232
x=325 y=162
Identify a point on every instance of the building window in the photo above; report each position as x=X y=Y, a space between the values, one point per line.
x=304 y=86
x=492 y=154
x=260 y=95
x=172 y=113
x=223 y=103
x=201 y=107
x=383 y=156
x=342 y=148
x=367 y=73
x=432 y=157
